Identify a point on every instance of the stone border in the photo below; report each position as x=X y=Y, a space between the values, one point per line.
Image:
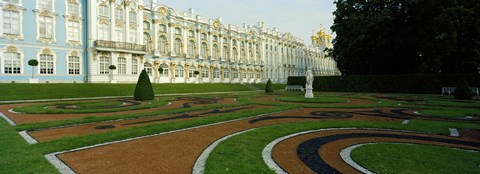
x=267 y=151
x=28 y=138
x=9 y=121
x=346 y=156
x=201 y=161
x=61 y=166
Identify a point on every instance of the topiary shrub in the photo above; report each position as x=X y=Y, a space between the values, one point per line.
x=144 y=89
x=269 y=87
x=33 y=63
x=462 y=92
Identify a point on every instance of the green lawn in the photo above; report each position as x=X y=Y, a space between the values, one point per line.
x=407 y=158
x=453 y=112
x=80 y=90
x=318 y=99
x=278 y=87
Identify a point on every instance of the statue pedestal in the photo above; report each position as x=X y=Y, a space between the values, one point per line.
x=308 y=93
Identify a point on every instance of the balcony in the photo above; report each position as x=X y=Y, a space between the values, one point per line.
x=120 y=46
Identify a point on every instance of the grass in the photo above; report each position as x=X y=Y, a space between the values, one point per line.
x=41 y=108
x=278 y=87
x=58 y=91
x=457 y=112
x=247 y=148
x=403 y=158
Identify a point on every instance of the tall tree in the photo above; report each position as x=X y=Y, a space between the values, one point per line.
x=406 y=36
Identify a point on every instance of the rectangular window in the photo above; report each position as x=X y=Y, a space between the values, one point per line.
x=133 y=36
x=191 y=73
x=122 y=65
x=205 y=74
x=103 y=63
x=178 y=72
x=216 y=74
x=226 y=74
x=73 y=9
x=73 y=31
x=165 y=72
x=46 y=64
x=11 y=63
x=73 y=65
x=11 y=22
x=235 y=75
x=258 y=75
x=103 y=32
x=251 y=75
x=119 y=16
x=46 y=27
x=45 y=4
x=120 y=35
x=104 y=11
x=132 y=17
x=244 y=75
x=134 y=66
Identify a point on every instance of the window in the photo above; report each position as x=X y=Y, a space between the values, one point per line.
x=179 y=71
x=73 y=65
x=191 y=33
x=226 y=53
x=146 y=25
x=119 y=15
x=120 y=34
x=73 y=31
x=132 y=17
x=215 y=52
x=250 y=75
x=148 y=68
x=258 y=75
x=134 y=65
x=103 y=64
x=215 y=38
x=235 y=54
x=191 y=73
x=178 y=31
x=104 y=32
x=45 y=4
x=147 y=41
x=216 y=73
x=226 y=74
x=242 y=54
x=133 y=36
x=178 y=47
x=162 y=45
x=122 y=65
x=165 y=71
x=162 y=28
x=235 y=74
x=11 y=22
x=73 y=9
x=46 y=64
x=205 y=73
x=204 y=36
x=11 y=63
x=104 y=11
x=203 y=50
x=191 y=48
x=46 y=27
x=225 y=40
x=244 y=75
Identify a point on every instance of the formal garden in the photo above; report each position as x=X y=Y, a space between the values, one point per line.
x=234 y=128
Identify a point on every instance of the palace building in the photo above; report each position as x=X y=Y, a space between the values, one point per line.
x=78 y=40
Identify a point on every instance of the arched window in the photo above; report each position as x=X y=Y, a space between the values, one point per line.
x=165 y=70
x=215 y=38
x=178 y=31
x=148 y=68
x=191 y=48
x=12 y=63
x=215 y=52
x=162 y=28
x=191 y=33
x=147 y=41
x=226 y=74
x=235 y=55
x=258 y=53
x=203 y=50
x=146 y=25
x=179 y=71
x=119 y=16
x=235 y=74
x=250 y=56
x=226 y=54
x=104 y=11
x=204 y=36
x=178 y=47
x=216 y=73
x=162 y=45
x=225 y=40
x=242 y=54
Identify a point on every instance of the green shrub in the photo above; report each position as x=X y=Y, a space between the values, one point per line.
x=462 y=92
x=143 y=90
x=268 y=87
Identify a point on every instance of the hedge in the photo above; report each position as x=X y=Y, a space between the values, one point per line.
x=423 y=84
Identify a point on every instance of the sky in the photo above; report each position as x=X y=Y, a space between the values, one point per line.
x=299 y=17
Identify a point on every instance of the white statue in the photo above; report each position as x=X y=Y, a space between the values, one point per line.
x=309 y=84
x=309 y=77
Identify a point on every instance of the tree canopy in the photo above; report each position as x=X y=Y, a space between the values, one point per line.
x=407 y=36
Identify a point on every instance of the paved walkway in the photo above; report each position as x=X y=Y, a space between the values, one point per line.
x=113 y=97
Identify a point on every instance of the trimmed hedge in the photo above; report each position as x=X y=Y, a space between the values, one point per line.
x=424 y=84
x=144 y=89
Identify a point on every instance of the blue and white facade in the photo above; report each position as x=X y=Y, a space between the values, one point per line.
x=77 y=41
x=49 y=31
